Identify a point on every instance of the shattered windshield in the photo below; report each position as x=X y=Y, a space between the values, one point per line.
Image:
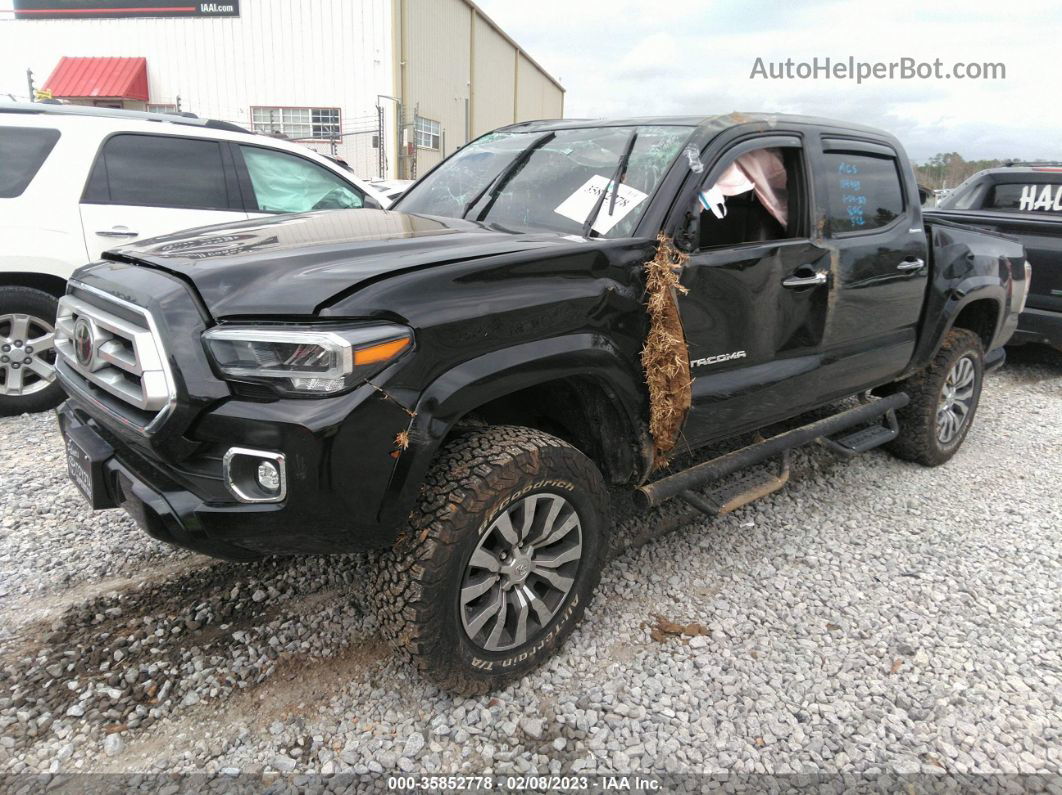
x=553 y=179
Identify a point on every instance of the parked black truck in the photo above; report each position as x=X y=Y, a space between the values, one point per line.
x=456 y=382
x=1023 y=200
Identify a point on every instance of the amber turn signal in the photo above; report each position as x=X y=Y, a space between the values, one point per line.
x=381 y=352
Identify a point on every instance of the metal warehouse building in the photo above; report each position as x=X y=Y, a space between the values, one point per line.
x=391 y=86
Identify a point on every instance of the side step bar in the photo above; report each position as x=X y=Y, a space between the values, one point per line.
x=683 y=483
x=748 y=488
x=864 y=439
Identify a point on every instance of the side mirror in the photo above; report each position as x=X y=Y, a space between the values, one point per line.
x=923 y=194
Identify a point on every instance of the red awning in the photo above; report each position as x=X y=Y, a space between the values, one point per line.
x=113 y=78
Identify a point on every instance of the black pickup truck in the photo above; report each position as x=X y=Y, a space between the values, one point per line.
x=457 y=382
x=1023 y=200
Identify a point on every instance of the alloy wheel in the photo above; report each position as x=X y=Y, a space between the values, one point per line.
x=521 y=572
x=956 y=400
x=27 y=354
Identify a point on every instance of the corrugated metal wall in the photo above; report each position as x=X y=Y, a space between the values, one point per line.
x=437 y=36
x=453 y=54
x=536 y=97
x=312 y=53
x=493 y=76
x=329 y=53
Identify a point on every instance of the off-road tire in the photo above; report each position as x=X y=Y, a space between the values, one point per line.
x=39 y=304
x=918 y=440
x=416 y=585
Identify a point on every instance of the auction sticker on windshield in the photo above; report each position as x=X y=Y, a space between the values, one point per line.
x=580 y=204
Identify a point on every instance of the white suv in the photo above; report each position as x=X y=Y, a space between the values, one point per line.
x=76 y=181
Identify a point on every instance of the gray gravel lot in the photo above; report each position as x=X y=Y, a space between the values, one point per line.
x=873 y=616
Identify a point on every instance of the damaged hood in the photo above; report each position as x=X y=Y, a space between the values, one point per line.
x=297 y=264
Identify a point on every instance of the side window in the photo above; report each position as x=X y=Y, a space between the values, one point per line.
x=1025 y=198
x=23 y=151
x=159 y=171
x=758 y=197
x=285 y=183
x=863 y=191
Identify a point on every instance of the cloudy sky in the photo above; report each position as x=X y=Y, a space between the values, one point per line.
x=623 y=57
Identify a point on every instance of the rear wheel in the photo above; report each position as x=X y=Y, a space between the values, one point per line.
x=944 y=399
x=501 y=558
x=27 y=351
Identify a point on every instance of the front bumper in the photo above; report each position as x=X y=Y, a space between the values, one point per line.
x=161 y=507
x=332 y=503
x=1039 y=326
x=167 y=468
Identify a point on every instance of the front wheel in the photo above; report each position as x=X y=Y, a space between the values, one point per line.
x=500 y=560
x=27 y=351
x=944 y=398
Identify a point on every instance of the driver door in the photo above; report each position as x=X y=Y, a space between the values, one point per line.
x=757 y=303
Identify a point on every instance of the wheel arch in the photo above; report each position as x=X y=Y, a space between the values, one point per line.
x=579 y=408
x=981 y=315
x=980 y=310
x=577 y=387
x=45 y=282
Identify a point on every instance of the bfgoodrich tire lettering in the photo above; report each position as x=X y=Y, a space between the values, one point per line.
x=921 y=439
x=477 y=478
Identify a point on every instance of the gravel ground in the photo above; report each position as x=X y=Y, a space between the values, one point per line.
x=873 y=616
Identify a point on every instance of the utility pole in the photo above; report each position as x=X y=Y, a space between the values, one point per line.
x=381 y=155
x=411 y=146
x=29 y=85
x=382 y=165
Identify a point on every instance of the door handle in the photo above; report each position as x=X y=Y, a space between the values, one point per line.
x=118 y=231
x=819 y=277
x=911 y=265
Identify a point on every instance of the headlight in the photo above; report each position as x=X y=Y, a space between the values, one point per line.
x=306 y=360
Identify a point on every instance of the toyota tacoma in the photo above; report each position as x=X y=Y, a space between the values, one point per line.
x=558 y=308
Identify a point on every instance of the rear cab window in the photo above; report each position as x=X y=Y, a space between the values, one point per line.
x=1025 y=197
x=863 y=190
x=23 y=151
x=160 y=171
x=1036 y=191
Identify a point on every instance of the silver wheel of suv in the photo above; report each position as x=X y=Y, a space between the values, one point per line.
x=521 y=572
x=956 y=400
x=27 y=354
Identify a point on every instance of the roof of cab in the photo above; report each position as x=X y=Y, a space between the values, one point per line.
x=718 y=122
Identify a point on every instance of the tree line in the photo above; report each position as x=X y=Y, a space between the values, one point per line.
x=948 y=169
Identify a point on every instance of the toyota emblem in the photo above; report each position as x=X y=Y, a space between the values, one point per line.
x=83 y=342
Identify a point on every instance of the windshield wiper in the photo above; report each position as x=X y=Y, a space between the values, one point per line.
x=621 y=172
x=494 y=187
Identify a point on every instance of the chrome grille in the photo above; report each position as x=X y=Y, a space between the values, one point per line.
x=113 y=345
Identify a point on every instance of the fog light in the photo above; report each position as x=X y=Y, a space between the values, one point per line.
x=269 y=476
x=255 y=475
